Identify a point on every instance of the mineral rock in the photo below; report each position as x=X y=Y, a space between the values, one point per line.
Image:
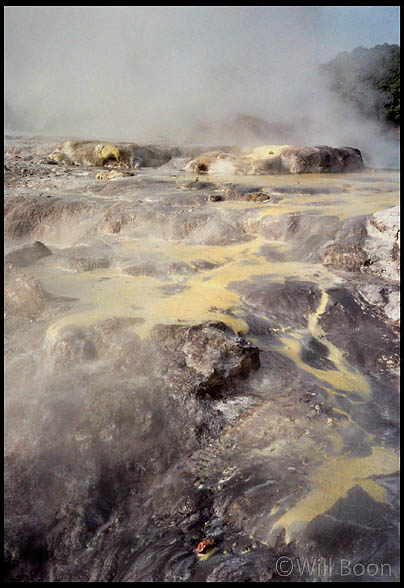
x=280 y=159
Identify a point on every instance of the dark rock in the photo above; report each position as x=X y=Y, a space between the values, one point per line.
x=247 y=193
x=116 y=219
x=306 y=234
x=23 y=216
x=350 y=257
x=198 y=185
x=238 y=569
x=143 y=268
x=210 y=351
x=27 y=255
x=158 y=270
x=23 y=295
x=80 y=264
x=290 y=303
x=71 y=346
x=311 y=190
x=322 y=159
x=339 y=531
x=315 y=354
x=202 y=264
x=367 y=341
x=206 y=228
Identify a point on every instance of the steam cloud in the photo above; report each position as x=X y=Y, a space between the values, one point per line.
x=177 y=74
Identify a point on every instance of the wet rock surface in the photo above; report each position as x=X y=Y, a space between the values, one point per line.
x=182 y=367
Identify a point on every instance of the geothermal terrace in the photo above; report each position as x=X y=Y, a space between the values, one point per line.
x=201 y=346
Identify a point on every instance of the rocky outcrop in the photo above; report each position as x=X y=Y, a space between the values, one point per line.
x=28 y=254
x=211 y=352
x=290 y=303
x=241 y=570
x=350 y=326
x=382 y=296
x=280 y=159
x=370 y=246
x=156 y=270
x=383 y=243
x=94 y=153
x=27 y=216
x=23 y=296
x=238 y=192
x=72 y=347
x=114 y=174
x=75 y=263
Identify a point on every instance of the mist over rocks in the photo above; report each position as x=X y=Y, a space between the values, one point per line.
x=209 y=91
x=77 y=471
x=29 y=214
x=182 y=368
x=23 y=295
x=261 y=160
x=28 y=254
x=201 y=293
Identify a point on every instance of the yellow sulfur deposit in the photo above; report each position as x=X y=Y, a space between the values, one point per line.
x=333 y=480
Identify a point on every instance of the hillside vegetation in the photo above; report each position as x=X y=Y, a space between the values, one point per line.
x=369 y=79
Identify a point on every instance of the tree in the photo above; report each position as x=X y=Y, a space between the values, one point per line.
x=369 y=79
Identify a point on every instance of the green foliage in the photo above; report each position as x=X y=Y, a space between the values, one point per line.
x=369 y=79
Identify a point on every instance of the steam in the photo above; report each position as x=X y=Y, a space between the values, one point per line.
x=179 y=74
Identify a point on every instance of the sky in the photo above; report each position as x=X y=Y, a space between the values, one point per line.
x=346 y=27
x=141 y=72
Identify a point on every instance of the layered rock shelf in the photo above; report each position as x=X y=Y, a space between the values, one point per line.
x=201 y=363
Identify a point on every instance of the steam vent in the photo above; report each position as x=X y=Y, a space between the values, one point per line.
x=201 y=363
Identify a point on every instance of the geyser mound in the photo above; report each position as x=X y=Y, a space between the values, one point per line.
x=280 y=159
x=99 y=154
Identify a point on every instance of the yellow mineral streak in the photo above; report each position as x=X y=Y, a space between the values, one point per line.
x=338 y=473
x=208 y=554
x=360 y=197
x=108 y=293
x=344 y=377
x=332 y=481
